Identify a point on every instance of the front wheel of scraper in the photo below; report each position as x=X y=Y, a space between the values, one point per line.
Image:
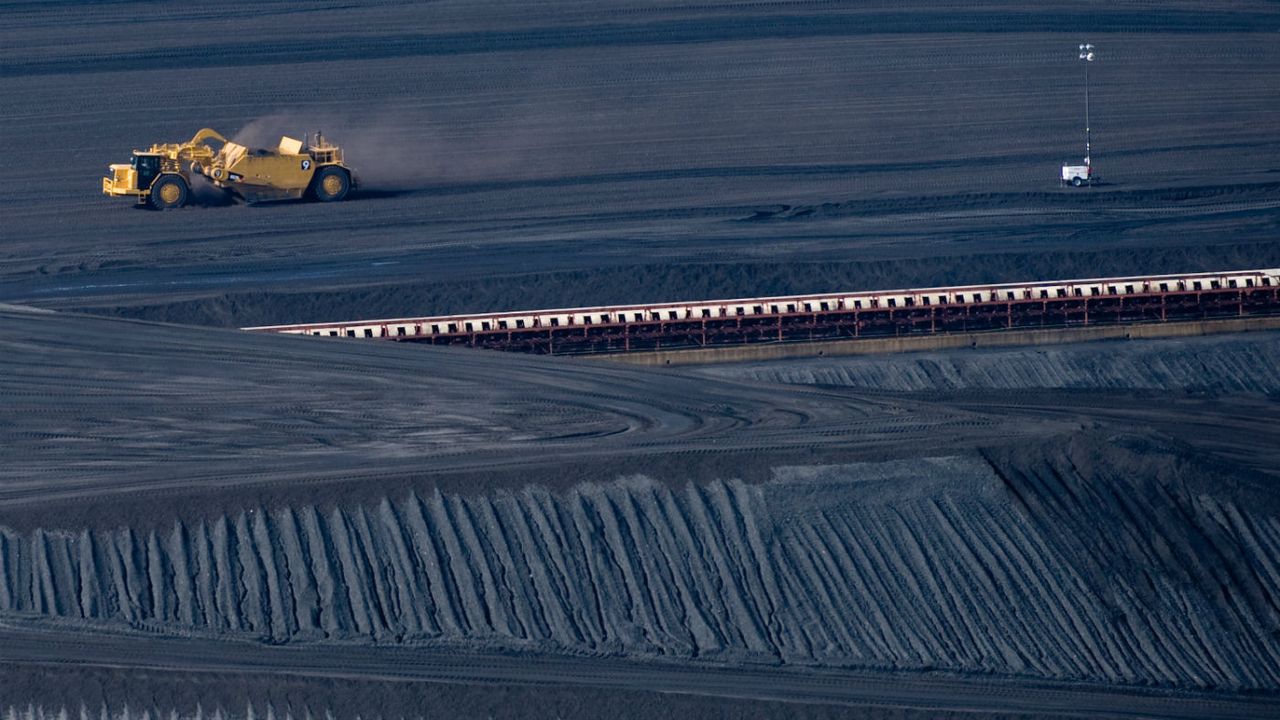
x=168 y=192
x=332 y=183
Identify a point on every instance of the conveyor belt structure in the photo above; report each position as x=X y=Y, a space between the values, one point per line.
x=831 y=316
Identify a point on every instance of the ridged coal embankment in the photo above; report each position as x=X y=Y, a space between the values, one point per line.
x=1055 y=564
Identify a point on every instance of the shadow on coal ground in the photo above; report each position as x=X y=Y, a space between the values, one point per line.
x=648 y=283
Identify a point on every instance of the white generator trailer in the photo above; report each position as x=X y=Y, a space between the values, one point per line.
x=1077 y=175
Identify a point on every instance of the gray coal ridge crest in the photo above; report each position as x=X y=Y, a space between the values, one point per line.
x=197 y=522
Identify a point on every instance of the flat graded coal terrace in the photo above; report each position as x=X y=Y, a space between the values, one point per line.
x=199 y=521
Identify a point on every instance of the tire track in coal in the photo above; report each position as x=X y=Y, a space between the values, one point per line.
x=262 y=396
x=710 y=28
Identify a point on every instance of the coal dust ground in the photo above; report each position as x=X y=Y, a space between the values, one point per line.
x=199 y=522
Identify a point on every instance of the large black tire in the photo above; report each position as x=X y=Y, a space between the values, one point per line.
x=1077 y=182
x=169 y=191
x=331 y=184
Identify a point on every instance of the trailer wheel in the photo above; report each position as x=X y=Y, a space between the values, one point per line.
x=1077 y=182
x=169 y=191
x=331 y=184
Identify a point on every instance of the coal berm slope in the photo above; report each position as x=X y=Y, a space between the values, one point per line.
x=1025 y=566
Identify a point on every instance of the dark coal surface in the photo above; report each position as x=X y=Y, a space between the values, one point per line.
x=203 y=523
x=574 y=152
x=98 y=692
x=1244 y=364
x=181 y=500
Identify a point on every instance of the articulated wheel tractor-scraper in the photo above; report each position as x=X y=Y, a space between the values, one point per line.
x=161 y=175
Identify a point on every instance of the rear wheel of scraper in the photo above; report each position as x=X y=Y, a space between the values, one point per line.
x=168 y=192
x=332 y=183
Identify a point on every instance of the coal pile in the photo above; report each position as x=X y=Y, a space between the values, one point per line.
x=200 y=522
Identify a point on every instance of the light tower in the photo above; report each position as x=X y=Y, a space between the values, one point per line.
x=1086 y=55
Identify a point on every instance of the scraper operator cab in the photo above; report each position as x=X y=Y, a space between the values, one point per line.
x=147 y=167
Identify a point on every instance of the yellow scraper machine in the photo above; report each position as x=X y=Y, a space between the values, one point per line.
x=161 y=175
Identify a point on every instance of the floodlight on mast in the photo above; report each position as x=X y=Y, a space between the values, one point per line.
x=1086 y=55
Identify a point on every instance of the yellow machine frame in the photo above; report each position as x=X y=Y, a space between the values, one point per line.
x=294 y=169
